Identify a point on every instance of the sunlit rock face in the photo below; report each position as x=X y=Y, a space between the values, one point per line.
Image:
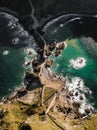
x=78 y=61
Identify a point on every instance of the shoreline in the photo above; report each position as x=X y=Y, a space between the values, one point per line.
x=15 y=91
x=54 y=101
x=49 y=79
x=62 y=105
x=72 y=15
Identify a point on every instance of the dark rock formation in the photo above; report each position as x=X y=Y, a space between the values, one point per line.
x=70 y=93
x=25 y=127
x=87 y=111
x=60 y=46
x=81 y=98
x=76 y=94
x=57 y=52
x=31 y=81
x=76 y=104
x=1 y=114
x=21 y=93
x=49 y=63
x=52 y=45
x=37 y=69
x=48 y=52
x=35 y=63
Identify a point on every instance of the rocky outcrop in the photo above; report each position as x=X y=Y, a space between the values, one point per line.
x=52 y=45
x=49 y=63
x=87 y=111
x=57 y=52
x=35 y=62
x=81 y=98
x=32 y=81
x=36 y=69
x=60 y=46
x=48 y=52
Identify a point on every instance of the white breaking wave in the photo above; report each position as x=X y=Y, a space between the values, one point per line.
x=78 y=63
x=30 y=51
x=5 y=52
x=78 y=89
x=76 y=16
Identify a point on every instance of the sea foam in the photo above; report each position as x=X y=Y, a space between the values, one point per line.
x=76 y=85
x=5 y=52
x=78 y=63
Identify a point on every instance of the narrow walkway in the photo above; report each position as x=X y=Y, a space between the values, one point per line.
x=42 y=95
x=52 y=103
x=49 y=97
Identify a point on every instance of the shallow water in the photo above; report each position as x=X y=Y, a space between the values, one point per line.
x=80 y=44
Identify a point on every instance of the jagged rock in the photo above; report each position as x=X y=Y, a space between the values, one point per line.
x=76 y=94
x=87 y=110
x=57 y=52
x=25 y=127
x=52 y=45
x=36 y=69
x=35 y=63
x=31 y=81
x=30 y=53
x=27 y=63
x=21 y=93
x=76 y=104
x=69 y=110
x=70 y=93
x=81 y=98
x=68 y=96
x=60 y=46
x=49 y=63
x=47 y=52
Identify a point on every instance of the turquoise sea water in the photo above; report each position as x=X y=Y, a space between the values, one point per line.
x=77 y=46
x=88 y=73
x=74 y=50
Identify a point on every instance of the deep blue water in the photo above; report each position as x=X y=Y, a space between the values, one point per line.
x=13 y=40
